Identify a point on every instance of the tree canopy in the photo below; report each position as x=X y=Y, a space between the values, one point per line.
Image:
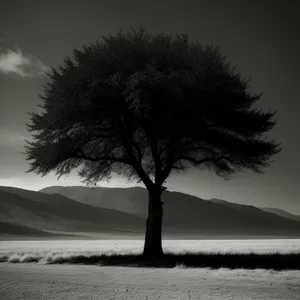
x=145 y=105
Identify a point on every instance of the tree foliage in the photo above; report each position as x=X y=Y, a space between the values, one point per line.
x=145 y=105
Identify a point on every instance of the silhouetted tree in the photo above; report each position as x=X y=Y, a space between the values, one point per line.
x=145 y=105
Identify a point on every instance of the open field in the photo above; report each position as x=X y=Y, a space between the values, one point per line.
x=121 y=246
x=91 y=269
x=233 y=254
x=53 y=282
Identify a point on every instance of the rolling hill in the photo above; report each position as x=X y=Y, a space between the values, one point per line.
x=186 y=214
x=96 y=212
x=11 y=230
x=282 y=213
x=275 y=211
x=56 y=213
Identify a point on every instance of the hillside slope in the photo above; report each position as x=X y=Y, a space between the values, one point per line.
x=58 y=213
x=19 y=230
x=282 y=213
x=185 y=213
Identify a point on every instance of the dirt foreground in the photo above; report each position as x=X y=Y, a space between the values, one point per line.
x=37 y=281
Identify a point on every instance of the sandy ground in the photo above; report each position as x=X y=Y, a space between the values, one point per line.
x=36 y=281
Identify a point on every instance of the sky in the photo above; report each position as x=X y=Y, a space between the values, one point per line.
x=259 y=37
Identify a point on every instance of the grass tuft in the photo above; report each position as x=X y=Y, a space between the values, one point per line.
x=273 y=261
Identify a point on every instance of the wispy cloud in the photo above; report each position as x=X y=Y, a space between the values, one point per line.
x=15 y=62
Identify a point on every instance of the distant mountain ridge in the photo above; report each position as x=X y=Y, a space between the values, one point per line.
x=275 y=211
x=282 y=213
x=84 y=211
x=56 y=213
x=181 y=210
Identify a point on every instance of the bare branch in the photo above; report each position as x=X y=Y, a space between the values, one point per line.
x=204 y=160
x=101 y=158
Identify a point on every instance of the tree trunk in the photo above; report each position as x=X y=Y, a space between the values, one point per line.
x=153 y=238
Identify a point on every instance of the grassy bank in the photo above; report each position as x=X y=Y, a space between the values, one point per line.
x=275 y=261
